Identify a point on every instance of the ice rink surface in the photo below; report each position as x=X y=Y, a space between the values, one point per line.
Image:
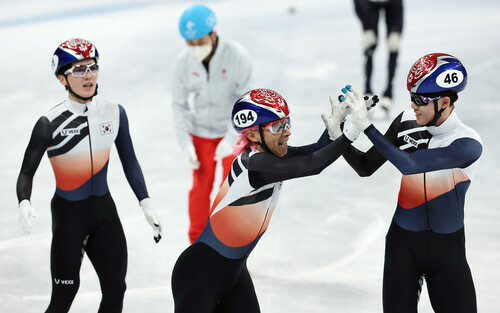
x=323 y=251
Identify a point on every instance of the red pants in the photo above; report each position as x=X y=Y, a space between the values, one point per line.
x=203 y=183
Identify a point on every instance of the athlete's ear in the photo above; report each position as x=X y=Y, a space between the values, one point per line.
x=253 y=135
x=445 y=102
x=62 y=80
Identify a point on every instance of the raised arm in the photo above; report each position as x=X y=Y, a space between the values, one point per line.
x=266 y=168
x=323 y=141
x=367 y=163
x=459 y=154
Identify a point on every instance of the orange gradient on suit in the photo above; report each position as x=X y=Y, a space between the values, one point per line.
x=411 y=193
x=239 y=226
x=72 y=171
x=438 y=183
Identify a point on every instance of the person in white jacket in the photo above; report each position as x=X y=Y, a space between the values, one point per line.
x=209 y=76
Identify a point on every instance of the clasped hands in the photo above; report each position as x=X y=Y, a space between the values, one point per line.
x=351 y=103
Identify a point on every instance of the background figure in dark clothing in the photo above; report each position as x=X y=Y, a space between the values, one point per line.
x=368 y=12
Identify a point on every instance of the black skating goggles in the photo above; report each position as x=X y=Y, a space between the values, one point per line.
x=80 y=70
x=279 y=126
x=421 y=100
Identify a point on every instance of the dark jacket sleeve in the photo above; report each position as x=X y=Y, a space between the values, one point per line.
x=41 y=138
x=266 y=168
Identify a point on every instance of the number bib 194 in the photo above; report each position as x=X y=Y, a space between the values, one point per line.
x=245 y=118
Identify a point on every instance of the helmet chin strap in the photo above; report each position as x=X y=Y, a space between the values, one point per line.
x=437 y=114
x=263 y=143
x=80 y=97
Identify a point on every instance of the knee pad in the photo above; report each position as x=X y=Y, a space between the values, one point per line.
x=369 y=40
x=393 y=41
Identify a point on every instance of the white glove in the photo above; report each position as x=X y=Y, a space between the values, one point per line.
x=351 y=131
x=224 y=149
x=151 y=217
x=332 y=122
x=356 y=102
x=192 y=157
x=26 y=212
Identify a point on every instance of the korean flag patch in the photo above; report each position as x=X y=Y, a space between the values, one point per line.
x=106 y=128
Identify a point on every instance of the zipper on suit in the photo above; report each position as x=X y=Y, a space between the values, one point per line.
x=426 y=206
x=91 y=157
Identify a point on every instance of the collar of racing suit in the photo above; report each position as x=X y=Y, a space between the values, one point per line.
x=80 y=108
x=446 y=126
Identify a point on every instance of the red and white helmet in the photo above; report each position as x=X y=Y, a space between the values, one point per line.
x=73 y=50
x=258 y=106
x=436 y=73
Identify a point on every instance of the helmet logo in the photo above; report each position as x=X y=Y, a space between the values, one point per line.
x=81 y=46
x=211 y=21
x=55 y=62
x=77 y=43
x=268 y=97
x=423 y=66
x=190 y=32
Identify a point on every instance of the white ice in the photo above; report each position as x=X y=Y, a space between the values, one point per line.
x=323 y=251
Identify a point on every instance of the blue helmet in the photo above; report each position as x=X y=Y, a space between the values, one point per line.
x=73 y=50
x=196 y=22
x=436 y=73
x=256 y=107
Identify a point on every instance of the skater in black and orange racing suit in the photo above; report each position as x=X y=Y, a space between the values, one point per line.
x=211 y=274
x=77 y=135
x=437 y=155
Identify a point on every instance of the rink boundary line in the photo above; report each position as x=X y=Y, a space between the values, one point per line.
x=93 y=10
